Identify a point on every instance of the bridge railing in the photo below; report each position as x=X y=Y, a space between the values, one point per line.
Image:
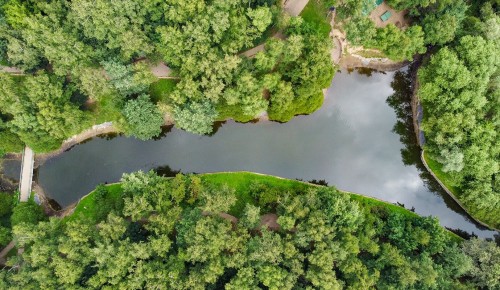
x=21 y=173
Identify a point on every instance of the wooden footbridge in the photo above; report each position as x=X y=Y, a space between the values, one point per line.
x=26 y=175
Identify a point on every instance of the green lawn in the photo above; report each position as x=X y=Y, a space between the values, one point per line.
x=104 y=111
x=160 y=90
x=241 y=182
x=316 y=15
x=87 y=207
x=443 y=176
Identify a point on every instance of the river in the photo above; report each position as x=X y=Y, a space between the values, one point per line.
x=361 y=140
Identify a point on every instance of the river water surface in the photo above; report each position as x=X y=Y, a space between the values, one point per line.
x=361 y=140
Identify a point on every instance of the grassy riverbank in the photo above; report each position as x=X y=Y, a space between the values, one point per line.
x=455 y=191
x=444 y=177
x=245 y=186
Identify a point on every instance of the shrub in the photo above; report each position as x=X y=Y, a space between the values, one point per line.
x=27 y=212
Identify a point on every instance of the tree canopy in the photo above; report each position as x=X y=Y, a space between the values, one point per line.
x=459 y=93
x=198 y=232
x=94 y=58
x=458 y=89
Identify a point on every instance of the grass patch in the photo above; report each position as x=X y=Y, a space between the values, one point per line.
x=235 y=112
x=242 y=183
x=102 y=111
x=444 y=177
x=160 y=90
x=315 y=14
x=368 y=202
x=90 y=207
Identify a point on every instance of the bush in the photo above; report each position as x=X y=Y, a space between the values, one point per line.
x=6 y=203
x=9 y=142
x=27 y=212
x=143 y=117
x=5 y=236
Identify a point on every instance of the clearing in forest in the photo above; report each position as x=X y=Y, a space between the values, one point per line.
x=397 y=17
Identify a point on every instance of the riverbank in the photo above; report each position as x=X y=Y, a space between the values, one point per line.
x=417 y=111
x=100 y=129
x=350 y=57
x=451 y=194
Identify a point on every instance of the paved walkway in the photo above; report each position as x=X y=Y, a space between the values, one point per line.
x=294 y=7
x=26 y=174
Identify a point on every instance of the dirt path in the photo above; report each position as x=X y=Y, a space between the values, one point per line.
x=5 y=251
x=162 y=71
x=11 y=70
x=270 y=221
x=253 y=51
x=294 y=7
x=336 y=51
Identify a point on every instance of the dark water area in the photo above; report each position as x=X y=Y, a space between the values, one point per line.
x=11 y=168
x=361 y=140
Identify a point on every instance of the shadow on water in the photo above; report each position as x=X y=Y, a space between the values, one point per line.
x=54 y=205
x=215 y=128
x=107 y=136
x=164 y=131
x=365 y=71
x=166 y=171
x=400 y=101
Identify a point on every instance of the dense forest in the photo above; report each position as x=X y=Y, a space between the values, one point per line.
x=253 y=232
x=459 y=90
x=88 y=62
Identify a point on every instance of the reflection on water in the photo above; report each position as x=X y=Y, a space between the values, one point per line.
x=356 y=142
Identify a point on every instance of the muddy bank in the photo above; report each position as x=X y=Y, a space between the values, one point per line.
x=105 y=128
x=7 y=184
x=379 y=64
x=347 y=56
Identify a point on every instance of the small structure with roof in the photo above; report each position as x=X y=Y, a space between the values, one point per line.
x=387 y=14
